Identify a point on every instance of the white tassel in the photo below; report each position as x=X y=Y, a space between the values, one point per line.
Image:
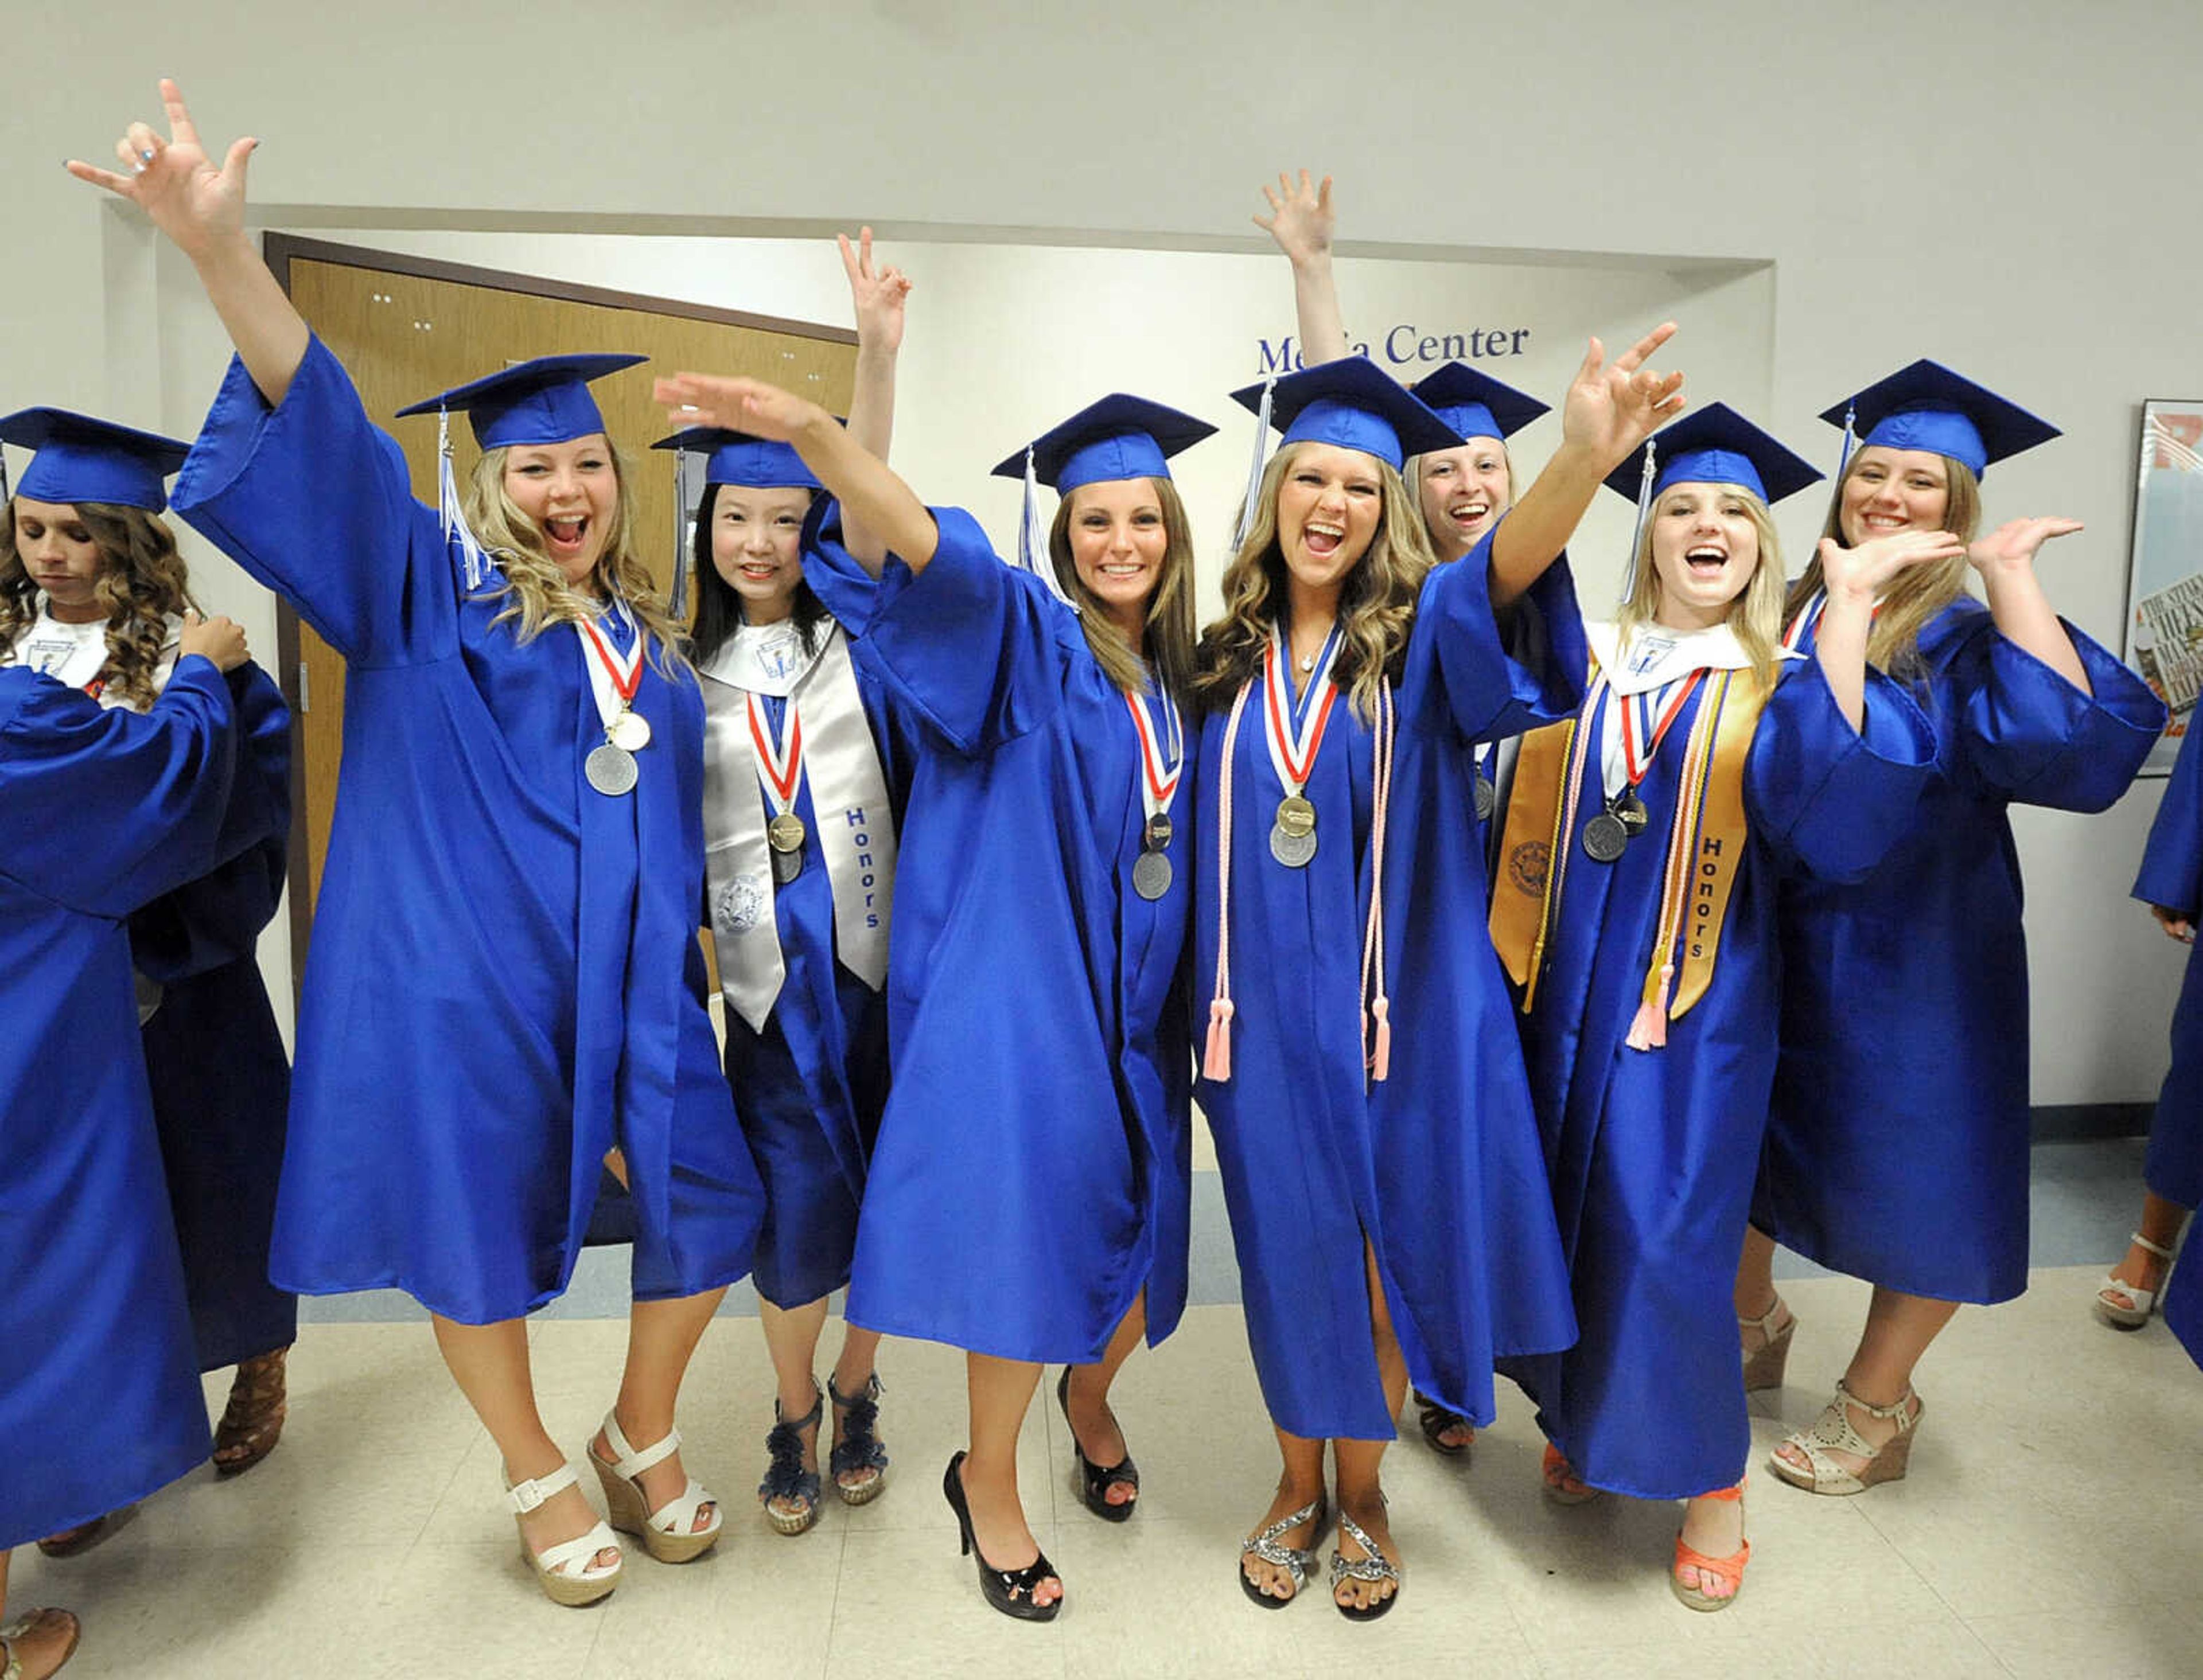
x=1637 y=531
x=1255 y=472
x=1032 y=540
x=475 y=568
x=1850 y=440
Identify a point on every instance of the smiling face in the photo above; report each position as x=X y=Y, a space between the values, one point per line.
x=756 y=548
x=1888 y=490
x=1329 y=503
x=1706 y=550
x=1464 y=492
x=569 y=492
x=1118 y=542
x=60 y=554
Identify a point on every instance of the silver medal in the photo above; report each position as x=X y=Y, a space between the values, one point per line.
x=1487 y=797
x=1151 y=875
x=1605 y=837
x=611 y=769
x=629 y=732
x=1293 y=851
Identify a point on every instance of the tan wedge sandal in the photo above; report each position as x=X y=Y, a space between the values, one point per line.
x=51 y=1622
x=669 y=1533
x=566 y=1571
x=1834 y=1433
x=1763 y=1365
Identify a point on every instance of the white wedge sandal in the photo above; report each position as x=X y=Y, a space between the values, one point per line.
x=669 y=1533
x=2128 y=1305
x=565 y=1570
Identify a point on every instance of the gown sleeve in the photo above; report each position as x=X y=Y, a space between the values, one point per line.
x=1494 y=675
x=1829 y=800
x=2172 y=862
x=314 y=501
x=2025 y=734
x=217 y=918
x=103 y=811
x=974 y=647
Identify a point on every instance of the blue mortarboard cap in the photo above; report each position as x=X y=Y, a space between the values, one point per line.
x=77 y=458
x=1119 y=437
x=1927 y=406
x=1715 y=445
x=544 y=401
x=1474 y=404
x=1355 y=404
x=736 y=458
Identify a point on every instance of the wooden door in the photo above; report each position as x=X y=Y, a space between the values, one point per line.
x=406 y=329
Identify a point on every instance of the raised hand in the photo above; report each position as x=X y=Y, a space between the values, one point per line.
x=175 y=182
x=2010 y=548
x=220 y=639
x=1865 y=573
x=877 y=295
x=1301 y=218
x=737 y=405
x=1611 y=407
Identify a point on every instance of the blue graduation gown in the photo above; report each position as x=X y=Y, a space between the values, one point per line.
x=504 y=981
x=1033 y=1173
x=1653 y=1152
x=2172 y=876
x=811 y=1084
x=2183 y=1308
x=222 y=1139
x=1900 y=1103
x=1438 y=1166
x=100 y=812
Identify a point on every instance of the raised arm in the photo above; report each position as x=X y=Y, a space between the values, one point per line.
x=867 y=489
x=1608 y=410
x=2006 y=560
x=202 y=210
x=1301 y=220
x=877 y=297
x=1856 y=578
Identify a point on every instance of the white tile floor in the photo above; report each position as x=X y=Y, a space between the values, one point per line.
x=2051 y=1526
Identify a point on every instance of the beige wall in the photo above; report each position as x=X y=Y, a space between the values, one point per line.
x=1990 y=183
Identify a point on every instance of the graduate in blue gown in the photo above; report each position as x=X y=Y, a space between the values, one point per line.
x=1028 y=1200
x=1359 y=1070
x=102 y=811
x=2170 y=883
x=1635 y=912
x=806 y=768
x=1897 y=1146
x=92 y=592
x=505 y=983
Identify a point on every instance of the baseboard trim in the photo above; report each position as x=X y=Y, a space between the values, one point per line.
x=2081 y=1122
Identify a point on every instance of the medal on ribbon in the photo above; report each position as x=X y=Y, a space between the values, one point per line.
x=614 y=678
x=1294 y=732
x=1162 y=767
x=780 y=772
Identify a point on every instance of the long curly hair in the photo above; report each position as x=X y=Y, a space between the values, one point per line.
x=1376 y=602
x=1171 y=625
x=537 y=594
x=1756 y=614
x=144 y=584
x=1893 y=646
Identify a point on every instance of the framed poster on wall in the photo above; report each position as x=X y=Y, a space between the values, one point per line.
x=2165 y=574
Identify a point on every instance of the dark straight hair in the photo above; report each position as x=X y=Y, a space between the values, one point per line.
x=719 y=608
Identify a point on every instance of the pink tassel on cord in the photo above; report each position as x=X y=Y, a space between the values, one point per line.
x=1649 y=1031
x=1380 y=1063
x=1216 y=1057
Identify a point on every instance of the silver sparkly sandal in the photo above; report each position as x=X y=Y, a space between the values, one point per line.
x=1268 y=1548
x=1373 y=1567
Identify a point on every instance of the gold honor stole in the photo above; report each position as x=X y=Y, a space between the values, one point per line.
x=1705 y=845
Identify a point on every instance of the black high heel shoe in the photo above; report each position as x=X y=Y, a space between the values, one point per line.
x=1009 y=1590
x=1094 y=1480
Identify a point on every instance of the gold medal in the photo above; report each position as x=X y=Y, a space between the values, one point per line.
x=1295 y=817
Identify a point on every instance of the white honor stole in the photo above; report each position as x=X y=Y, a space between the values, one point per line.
x=1648 y=677
x=855 y=826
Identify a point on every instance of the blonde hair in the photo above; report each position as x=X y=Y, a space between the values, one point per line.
x=143 y=585
x=536 y=591
x=1892 y=646
x=1170 y=621
x=1376 y=604
x=1755 y=613
x=1412 y=474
